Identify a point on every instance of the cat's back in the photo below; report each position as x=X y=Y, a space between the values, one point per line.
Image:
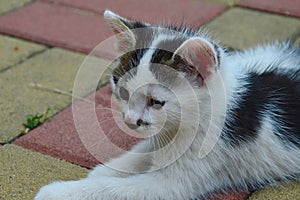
x=270 y=77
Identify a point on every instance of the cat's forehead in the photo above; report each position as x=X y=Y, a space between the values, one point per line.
x=149 y=61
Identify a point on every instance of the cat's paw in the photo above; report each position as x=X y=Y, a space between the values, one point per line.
x=59 y=191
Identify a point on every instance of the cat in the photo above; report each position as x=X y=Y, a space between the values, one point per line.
x=212 y=118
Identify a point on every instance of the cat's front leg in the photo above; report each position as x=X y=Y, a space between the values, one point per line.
x=84 y=189
x=143 y=186
x=68 y=190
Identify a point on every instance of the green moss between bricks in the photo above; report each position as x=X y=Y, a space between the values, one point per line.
x=54 y=68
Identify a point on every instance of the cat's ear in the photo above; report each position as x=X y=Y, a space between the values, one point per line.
x=200 y=57
x=125 y=38
x=123 y=30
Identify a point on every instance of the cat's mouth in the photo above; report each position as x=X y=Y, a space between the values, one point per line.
x=143 y=129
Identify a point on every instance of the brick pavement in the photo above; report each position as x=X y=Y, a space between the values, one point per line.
x=46 y=41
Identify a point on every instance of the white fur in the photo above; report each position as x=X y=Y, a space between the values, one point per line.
x=266 y=58
x=176 y=171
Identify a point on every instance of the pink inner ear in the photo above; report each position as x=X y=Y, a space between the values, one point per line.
x=199 y=55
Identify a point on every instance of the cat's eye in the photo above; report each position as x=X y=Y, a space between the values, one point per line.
x=156 y=104
x=124 y=94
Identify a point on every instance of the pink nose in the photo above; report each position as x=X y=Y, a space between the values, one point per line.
x=129 y=120
x=132 y=124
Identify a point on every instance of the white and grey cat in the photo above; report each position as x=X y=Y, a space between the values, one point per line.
x=187 y=95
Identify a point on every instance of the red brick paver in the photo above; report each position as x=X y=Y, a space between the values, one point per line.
x=81 y=30
x=176 y=11
x=55 y=25
x=60 y=138
x=286 y=7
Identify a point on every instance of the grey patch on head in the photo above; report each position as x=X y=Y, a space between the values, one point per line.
x=164 y=74
x=161 y=64
x=218 y=56
x=128 y=62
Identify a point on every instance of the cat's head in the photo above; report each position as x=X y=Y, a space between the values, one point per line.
x=159 y=73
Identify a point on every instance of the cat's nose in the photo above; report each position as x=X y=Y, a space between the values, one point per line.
x=134 y=125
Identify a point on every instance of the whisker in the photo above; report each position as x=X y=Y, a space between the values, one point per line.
x=169 y=141
x=161 y=139
x=167 y=136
